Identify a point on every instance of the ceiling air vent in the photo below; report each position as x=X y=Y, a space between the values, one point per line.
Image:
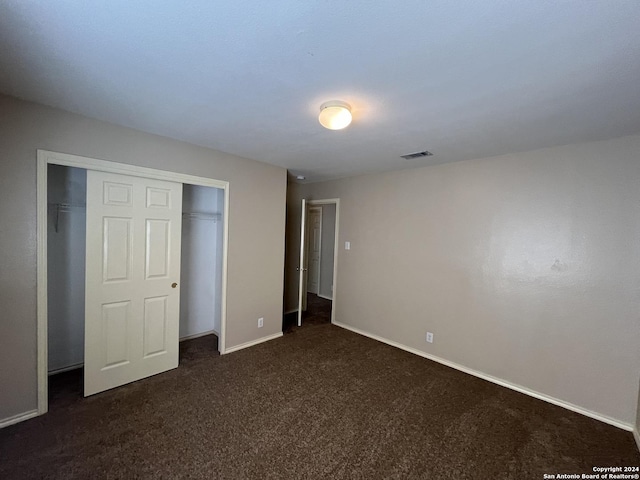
x=411 y=156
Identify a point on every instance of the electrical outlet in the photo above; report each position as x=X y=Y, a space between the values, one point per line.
x=260 y=322
x=429 y=337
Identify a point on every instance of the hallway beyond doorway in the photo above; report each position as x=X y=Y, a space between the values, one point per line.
x=318 y=312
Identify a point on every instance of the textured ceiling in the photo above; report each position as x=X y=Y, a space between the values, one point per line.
x=461 y=79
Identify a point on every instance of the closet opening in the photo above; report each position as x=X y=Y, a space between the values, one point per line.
x=66 y=230
x=201 y=277
x=201 y=268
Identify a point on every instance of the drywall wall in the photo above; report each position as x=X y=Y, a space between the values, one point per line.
x=637 y=425
x=327 y=246
x=256 y=227
x=525 y=266
x=201 y=260
x=66 y=229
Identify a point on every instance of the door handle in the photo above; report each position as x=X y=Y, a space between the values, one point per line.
x=174 y=285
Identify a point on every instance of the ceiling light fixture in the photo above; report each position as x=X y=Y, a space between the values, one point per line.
x=300 y=177
x=335 y=115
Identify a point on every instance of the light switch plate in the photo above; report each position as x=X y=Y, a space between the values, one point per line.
x=347 y=245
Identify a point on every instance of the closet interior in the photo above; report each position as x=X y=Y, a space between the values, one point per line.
x=200 y=271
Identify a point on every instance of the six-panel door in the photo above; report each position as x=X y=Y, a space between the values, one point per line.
x=132 y=279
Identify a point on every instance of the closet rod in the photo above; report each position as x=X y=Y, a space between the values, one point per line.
x=202 y=216
x=67 y=205
x=64 y=208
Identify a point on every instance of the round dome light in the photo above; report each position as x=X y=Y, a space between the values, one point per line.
x=335 y=115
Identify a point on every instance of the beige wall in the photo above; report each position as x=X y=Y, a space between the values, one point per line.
x=637 y=425
x=525 y=266
x=256 y=227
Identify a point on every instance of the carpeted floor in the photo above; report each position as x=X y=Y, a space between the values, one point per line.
x=320 y=402
x=318 y=312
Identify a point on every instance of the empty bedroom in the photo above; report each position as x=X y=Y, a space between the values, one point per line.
x=323 y=239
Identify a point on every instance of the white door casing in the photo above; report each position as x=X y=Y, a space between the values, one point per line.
x=133 y=261
x=314 y=243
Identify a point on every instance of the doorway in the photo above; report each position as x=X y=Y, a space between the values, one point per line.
x=61 y=209
x=318 y=261
x=314 y=248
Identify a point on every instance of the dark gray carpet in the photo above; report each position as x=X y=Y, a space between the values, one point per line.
x=321 y=402
x=318 y=312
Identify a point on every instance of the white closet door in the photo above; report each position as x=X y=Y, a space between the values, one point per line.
x=132 y=299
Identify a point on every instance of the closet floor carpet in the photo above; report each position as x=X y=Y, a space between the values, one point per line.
x=320 y=402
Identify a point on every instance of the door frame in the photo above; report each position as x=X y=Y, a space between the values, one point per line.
x=46 y=158
x=307 y=204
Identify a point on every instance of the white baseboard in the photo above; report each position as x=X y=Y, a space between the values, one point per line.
x=636 y=435
x=66 y=369
x=253 y=342
x=325 y=297
x=198 y=335
x=21 y=417
x=498 y=381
